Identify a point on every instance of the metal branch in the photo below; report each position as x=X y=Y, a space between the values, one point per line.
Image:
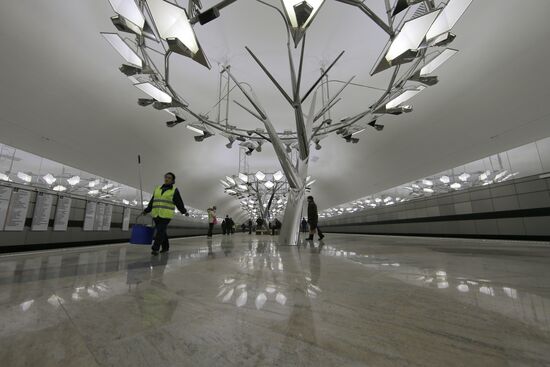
x=249 y=111
x=254 y=103
x=270 y=76
x=330 y=103
x=322 y=76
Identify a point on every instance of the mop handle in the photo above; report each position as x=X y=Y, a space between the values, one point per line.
x=140 y=184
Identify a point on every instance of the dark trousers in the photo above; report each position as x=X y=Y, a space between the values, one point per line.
x=210 y=229
x=161 y=237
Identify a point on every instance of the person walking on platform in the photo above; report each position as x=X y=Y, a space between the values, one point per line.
x=166 y=198
x=312 y=219
x=250 y=226
x=212 y=220
x=225 y=225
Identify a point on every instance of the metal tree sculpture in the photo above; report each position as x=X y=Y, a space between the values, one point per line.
x=414 y=27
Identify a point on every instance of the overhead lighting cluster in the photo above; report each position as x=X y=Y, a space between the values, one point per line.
x=419 y=33
x=426 y=187
x=260 y=194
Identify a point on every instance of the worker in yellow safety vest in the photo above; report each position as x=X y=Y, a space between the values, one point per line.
x=166 y=199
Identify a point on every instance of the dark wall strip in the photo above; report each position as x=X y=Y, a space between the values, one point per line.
x=327 y=229
x=538 y=212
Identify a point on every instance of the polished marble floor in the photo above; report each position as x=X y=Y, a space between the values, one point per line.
x=245 y=301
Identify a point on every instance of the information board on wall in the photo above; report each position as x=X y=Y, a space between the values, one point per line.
x=62 y=213
x=42 y=212
x=126 y=219
x=100 y=213
x=89 y=217
x=17 y=211
x=5 y=195
x=107 y=217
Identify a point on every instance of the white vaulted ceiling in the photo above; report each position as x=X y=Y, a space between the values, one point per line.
x=62 y=96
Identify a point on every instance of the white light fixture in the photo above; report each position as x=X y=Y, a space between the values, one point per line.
x=278 y=176
x=24 y=177
x=243 y=187
x=230 y=180
x=243 y=177
x=404 y=96
x=501 y=175
x=269 y=184
x=173 y=25
x=93 y=192
x=125 y=202
x=427 y=182
x=192 y=128
x=225 y=183
x=59 y=188
x=229 y=191
x=73 y=180
x=411 y=35
x=358 y=132
x=464 y=177
x=154 y=92
x=448 y=17
x=93 y=183
x=260 y=176
x=300 y=14
x=445 y=179
x=49 y=179
x=310 y=183
x=456 y=186
x=107 y=187
x=4 y=177
x=378 y=200
x=437 y=61
x=129 y=10
x=134 y=202
x=127 y=53
x=428 y=190
x=485 y=175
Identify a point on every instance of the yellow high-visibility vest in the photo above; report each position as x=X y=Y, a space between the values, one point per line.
x=163 y=203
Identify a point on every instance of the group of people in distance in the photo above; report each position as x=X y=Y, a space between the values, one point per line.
x=166 y=198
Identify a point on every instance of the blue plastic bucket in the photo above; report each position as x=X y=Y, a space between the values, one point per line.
x=141 y=235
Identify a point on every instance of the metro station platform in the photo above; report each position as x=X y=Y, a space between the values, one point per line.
x=351 y=300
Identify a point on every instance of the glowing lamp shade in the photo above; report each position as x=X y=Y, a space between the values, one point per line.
x=230 y=180
x=59 y=188
x=24 y=177
x=243 y=177
x=278 y=176
x=192 y=128
x=411 y=35
x=49 y=179
x=456 y=186
x=269 y=184
x=173 y=25
x=73 y=180
x=404 y=96
x=464 y=177
x=129 y=10
x=129 y=55
x=437 y=61
x=154 y=92
x=448 y=17
x=445 y=179
x=4 y=177
x=300 y=13
x=260 y=175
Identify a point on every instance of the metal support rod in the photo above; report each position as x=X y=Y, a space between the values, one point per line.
x=289 y=100
x=322 y=76
x=222 y=4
